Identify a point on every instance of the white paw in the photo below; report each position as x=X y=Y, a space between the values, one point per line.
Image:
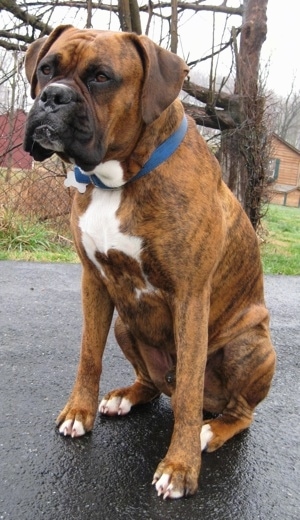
x=73 y=428
x=163 y=487
x=205 y=436
x=115 y=406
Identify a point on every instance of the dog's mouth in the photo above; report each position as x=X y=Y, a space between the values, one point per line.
x=47 y=137
x=69 y=133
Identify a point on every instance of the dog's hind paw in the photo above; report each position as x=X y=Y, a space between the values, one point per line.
x=72 y=428
x=116 y=405
x=205 y=436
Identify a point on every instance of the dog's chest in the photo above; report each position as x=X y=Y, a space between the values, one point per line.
x=100 y=228
x=118 y=257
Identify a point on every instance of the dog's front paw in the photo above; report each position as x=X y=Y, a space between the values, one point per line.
x=174 y=480
x=115 y=405
x=75 y=422
x=120 y=401
x=72 y=427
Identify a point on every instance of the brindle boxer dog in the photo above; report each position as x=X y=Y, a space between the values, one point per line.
x=172 y=250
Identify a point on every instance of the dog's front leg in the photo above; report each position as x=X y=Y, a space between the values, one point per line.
x=177 y=474
x=79 y=414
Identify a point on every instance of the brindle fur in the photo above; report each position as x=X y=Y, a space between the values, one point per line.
x=206 y=324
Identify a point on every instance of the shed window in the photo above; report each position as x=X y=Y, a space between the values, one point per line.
x=274 y=165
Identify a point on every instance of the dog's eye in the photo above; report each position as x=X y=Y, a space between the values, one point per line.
x=46 y=70
x=101 y=78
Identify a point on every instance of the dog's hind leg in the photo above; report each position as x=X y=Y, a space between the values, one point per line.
x=236 y=417
x=150 y=365
x=247 y=371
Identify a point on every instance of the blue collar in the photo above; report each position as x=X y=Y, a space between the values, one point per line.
x=160 y=154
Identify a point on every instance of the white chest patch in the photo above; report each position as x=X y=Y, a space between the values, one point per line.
x=101 y=228
x=110 y=173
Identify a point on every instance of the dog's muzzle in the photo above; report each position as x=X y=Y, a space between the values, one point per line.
x=54 y=97
x=55 y=101
x=60 y=121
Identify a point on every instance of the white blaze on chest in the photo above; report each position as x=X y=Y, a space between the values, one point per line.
x=110 y=173
x=100 y=227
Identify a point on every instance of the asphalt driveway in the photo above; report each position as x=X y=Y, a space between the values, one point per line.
x=107 y=474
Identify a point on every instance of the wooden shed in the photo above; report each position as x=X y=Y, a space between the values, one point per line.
x=284 y=173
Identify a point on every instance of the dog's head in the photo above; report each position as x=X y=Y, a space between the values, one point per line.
x=94 y=91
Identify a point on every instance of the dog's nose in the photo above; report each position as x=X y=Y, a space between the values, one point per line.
x=55 y=95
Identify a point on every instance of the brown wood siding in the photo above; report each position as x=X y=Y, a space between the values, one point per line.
x=289 y=163
x=292 y=199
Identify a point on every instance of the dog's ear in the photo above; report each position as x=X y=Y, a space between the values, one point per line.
x=31 y=57
x=35 y=53
x=164 y=75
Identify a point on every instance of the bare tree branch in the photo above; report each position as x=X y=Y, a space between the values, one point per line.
x=10 y=46
x=218 y=119
x=29 y=19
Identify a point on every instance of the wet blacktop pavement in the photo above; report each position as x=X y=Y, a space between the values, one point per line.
x=107 y=474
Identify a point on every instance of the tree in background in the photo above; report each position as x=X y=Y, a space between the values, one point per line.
x=286 y=116
x=237 y=116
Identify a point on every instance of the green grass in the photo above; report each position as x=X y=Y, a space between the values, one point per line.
x=281 y=247
x=25 y=240
x=22 y=239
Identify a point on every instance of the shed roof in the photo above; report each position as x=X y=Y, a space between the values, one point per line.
x=284 y=188
x=286 y=143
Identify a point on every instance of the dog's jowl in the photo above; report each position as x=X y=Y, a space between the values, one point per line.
x=161 y=240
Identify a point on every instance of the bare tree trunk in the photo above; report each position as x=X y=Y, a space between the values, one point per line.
x=174 y=26
x=89 y=14
x=135 y=17
x=129 y=15
x=11 y=121
x=244 y=150
x=124 y=15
